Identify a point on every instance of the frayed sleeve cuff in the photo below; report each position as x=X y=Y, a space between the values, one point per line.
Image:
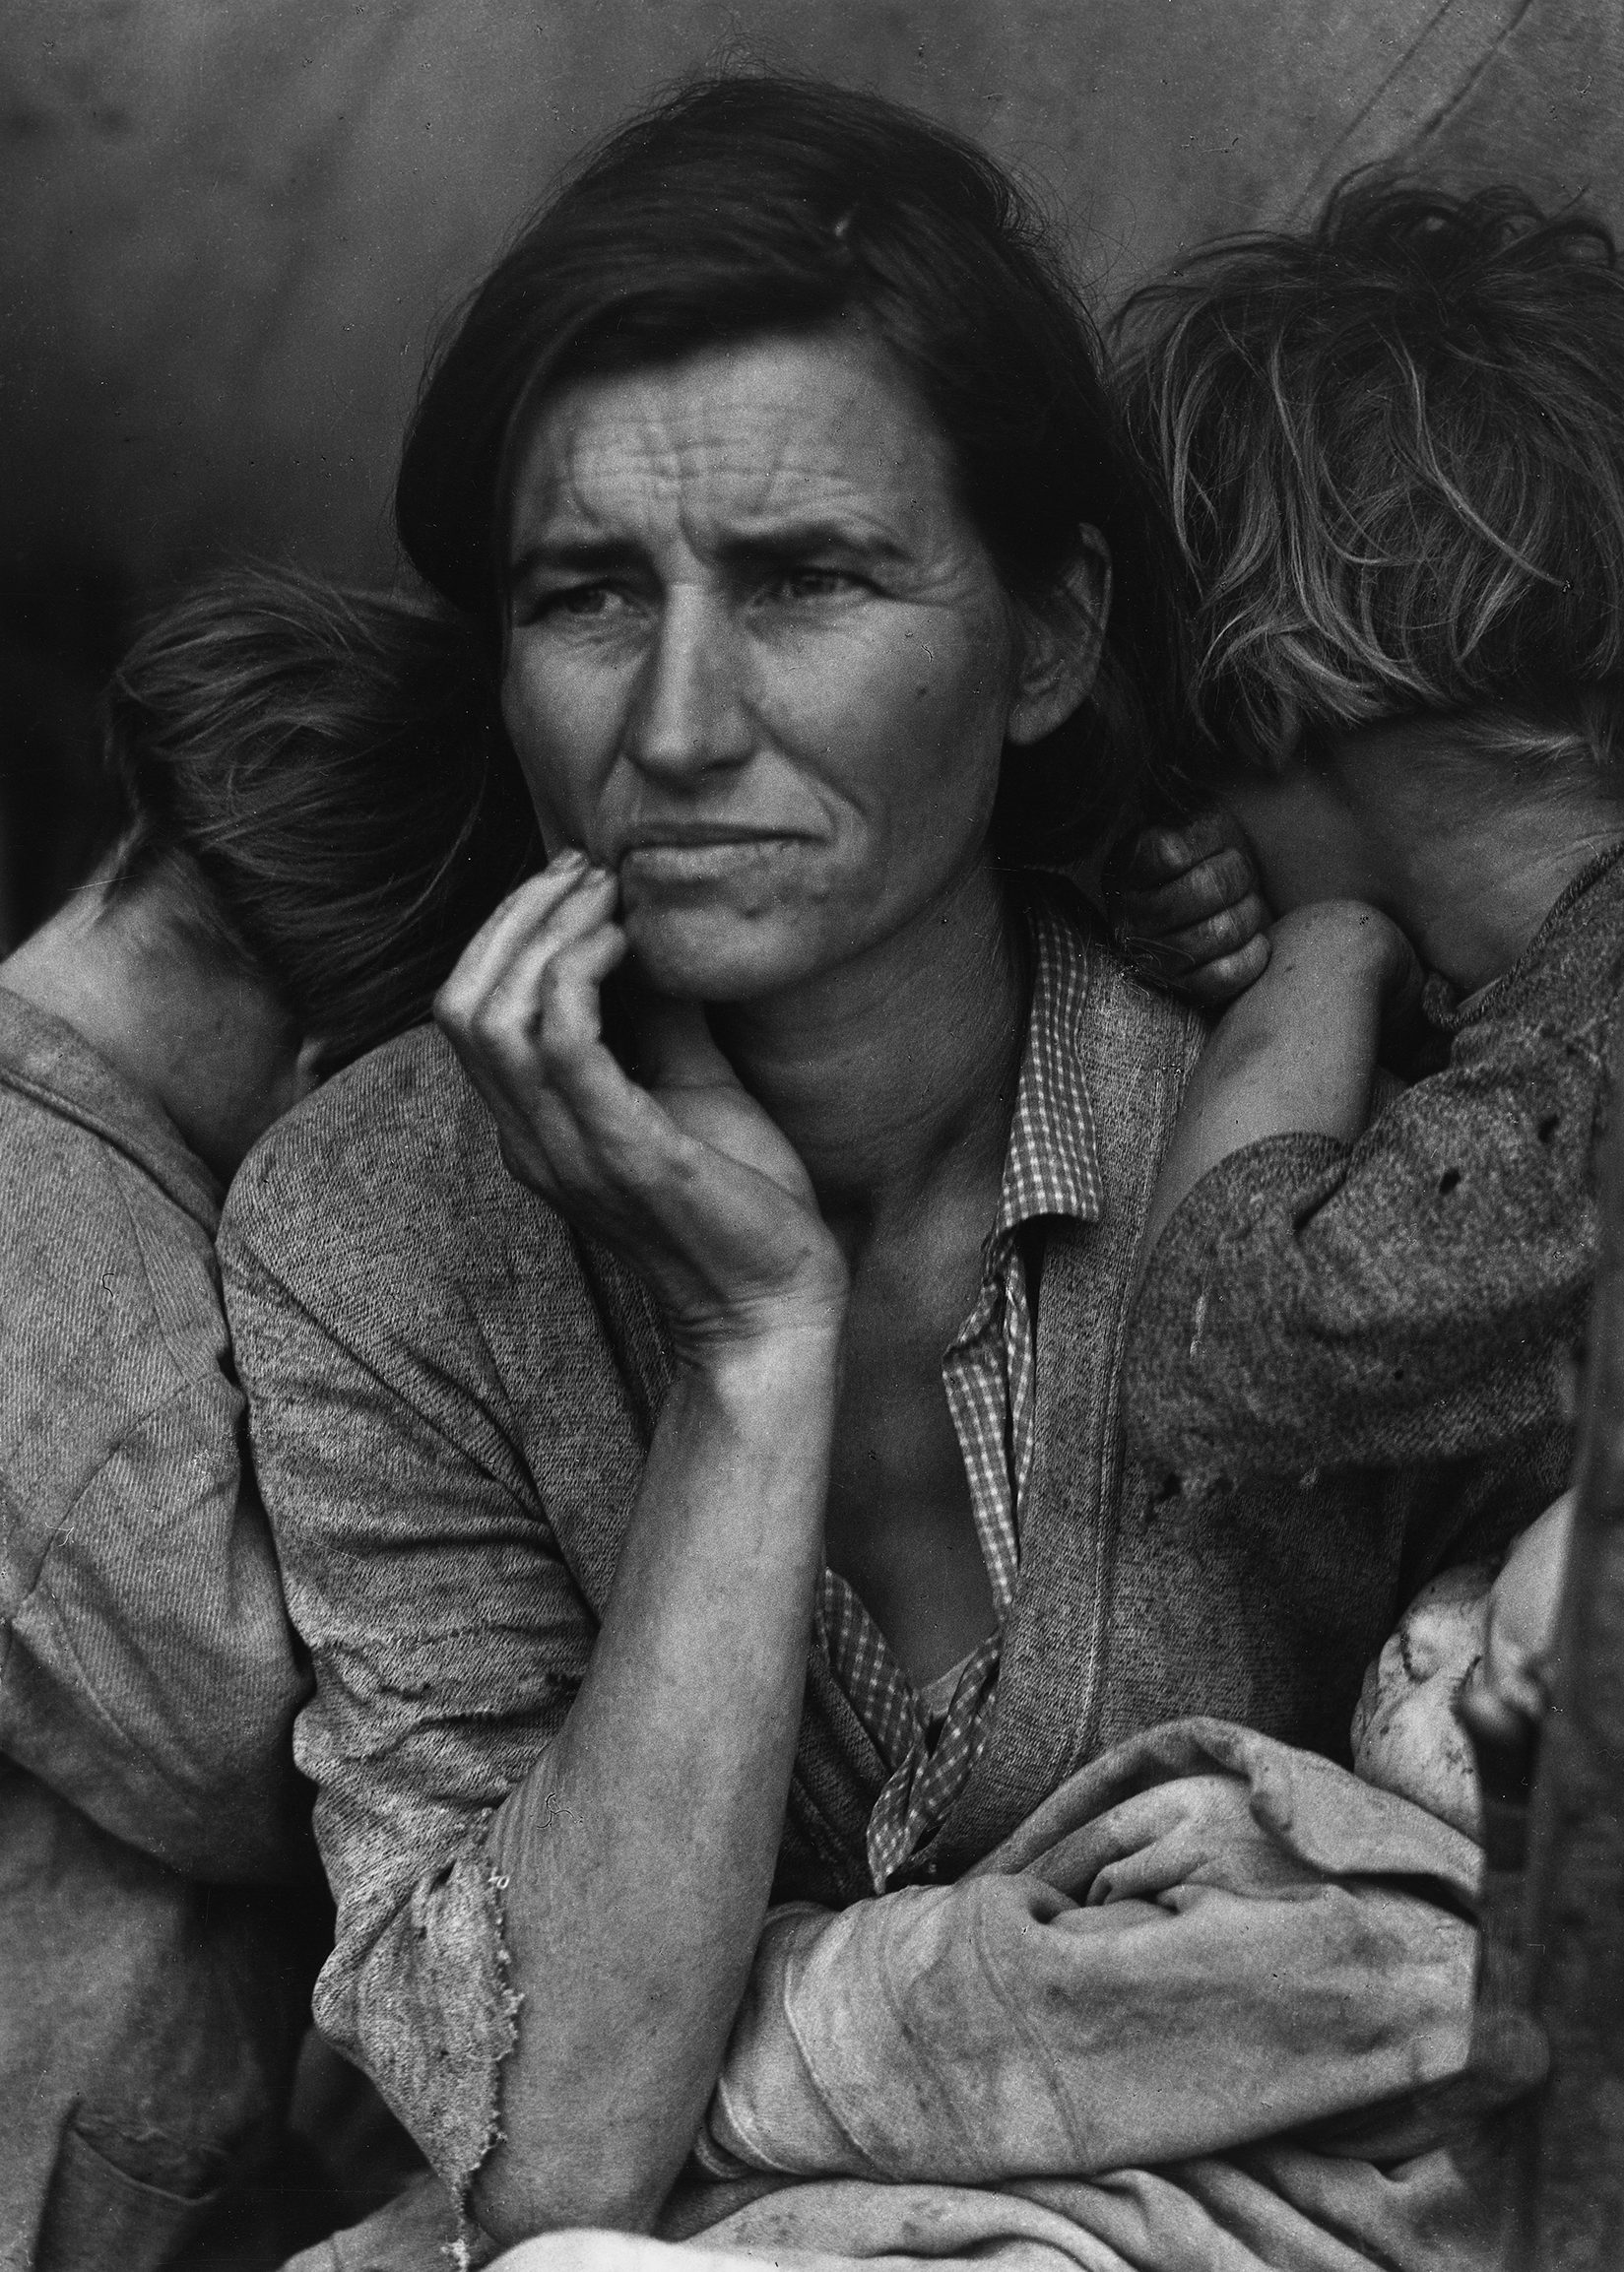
x=430 y=2012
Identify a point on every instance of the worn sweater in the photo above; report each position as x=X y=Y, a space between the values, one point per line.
x=149 y=2009
x=451 y=1399
x=1416 y=1295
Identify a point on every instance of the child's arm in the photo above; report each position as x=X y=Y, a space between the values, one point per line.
x=1296 y=1054
x=1320 y=1298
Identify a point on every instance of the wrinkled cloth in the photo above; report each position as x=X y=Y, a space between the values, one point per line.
x=150 y=2012
x=149 y=2024
x=1416 y=1295
x=150 y=1674
x=1208 y=2011
x=1194 y=1945
x=451 y=1398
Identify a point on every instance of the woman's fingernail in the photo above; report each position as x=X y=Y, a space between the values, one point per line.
x=568 y=861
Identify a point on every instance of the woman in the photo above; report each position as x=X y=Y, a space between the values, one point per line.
x=773 y=461
x=316 y=818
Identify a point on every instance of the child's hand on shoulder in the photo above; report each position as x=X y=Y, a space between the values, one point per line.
x=1186 y=909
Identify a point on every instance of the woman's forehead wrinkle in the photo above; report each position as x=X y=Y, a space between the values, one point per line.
x=583 y=470
x=750 y=435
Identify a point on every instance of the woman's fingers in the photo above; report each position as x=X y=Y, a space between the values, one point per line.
x=679 y=1170
x=534 y=1049
x=546 y=993
x=522 y=1012
x=521 y=915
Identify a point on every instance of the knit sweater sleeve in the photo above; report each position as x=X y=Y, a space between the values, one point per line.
x=1314 y=1305
x=369 y=1296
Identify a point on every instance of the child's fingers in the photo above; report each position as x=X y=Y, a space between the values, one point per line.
x=1214 y=985
x=1178 y=955
x=1225 y=880
x=1157 y=855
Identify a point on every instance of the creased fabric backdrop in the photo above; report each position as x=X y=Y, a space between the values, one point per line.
x=229 y=228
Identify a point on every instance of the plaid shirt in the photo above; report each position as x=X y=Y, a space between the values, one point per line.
x=930 y=1743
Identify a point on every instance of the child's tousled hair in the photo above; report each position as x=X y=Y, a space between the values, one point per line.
x=322 y=778
x=1392 y=447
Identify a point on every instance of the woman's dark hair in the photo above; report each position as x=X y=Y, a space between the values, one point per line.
x=751 y=205
x=322 y=778
x=1393 y=448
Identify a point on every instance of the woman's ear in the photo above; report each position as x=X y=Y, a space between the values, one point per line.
x=310 y=1067
x=1062 y=642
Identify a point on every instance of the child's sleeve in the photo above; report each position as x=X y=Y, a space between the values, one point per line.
x=1314 y=1305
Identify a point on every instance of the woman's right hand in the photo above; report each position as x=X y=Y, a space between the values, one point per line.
x=686 y=1178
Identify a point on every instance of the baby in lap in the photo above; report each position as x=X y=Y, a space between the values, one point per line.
x=1474 y=1635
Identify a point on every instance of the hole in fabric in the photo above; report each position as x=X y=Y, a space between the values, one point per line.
x=1549 y=1125
x=1448 y=1181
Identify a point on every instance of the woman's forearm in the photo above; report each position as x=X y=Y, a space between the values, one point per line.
x=640 y=1852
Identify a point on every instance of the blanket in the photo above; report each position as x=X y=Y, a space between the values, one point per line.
x=1208 y=2010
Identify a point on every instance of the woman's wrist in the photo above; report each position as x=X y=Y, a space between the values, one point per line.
x=761 y=1362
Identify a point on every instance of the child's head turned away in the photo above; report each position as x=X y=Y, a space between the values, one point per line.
x=1393 y=449
x=318 y=790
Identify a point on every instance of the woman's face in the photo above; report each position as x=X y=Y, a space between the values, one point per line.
x=759 y=662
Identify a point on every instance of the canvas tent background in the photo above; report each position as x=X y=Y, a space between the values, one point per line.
x=230 y=228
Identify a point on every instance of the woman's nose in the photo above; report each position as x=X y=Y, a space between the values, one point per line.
x=690 y=714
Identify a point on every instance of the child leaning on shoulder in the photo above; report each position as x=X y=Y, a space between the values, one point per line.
x=320 y=809
x=1393 y=449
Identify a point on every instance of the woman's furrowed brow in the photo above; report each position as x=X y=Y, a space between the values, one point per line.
x=571 y=555
x=756 y=544
x=816 y=537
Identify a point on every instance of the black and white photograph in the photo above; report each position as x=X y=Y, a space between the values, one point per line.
x=811 y=1209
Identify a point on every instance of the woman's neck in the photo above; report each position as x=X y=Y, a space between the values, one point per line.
x=208 y=1045
x=893 y=1075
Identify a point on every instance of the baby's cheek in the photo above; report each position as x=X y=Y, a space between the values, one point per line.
x=1405 y=1735
x=1412 y=1744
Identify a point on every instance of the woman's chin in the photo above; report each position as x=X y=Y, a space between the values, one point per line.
x=712 y=954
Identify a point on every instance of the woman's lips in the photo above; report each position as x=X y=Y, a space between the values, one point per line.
x=694 y=858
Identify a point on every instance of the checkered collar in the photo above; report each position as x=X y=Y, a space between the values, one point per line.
x=1052 y=1165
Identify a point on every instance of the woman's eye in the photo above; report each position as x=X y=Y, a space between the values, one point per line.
x=811 y=583
x=582 y=600
x=569 y=604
